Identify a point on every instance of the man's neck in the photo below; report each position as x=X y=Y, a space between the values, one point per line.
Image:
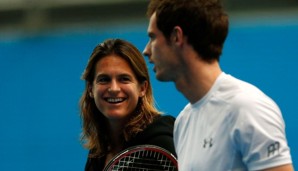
x=197 y=80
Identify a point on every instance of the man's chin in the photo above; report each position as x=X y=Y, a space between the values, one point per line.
x=161 y=78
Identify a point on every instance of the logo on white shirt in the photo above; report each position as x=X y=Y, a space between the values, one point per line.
x=208 y=143
x=273 y=149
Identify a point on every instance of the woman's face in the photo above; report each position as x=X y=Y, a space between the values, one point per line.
x=115 y=88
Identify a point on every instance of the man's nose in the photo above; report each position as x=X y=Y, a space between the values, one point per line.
x=146 y=51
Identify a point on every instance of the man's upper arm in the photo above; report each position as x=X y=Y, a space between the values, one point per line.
x=288 y=167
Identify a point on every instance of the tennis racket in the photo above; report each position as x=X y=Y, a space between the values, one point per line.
x=143 y=158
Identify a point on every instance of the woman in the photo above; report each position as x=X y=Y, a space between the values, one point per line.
x=117 y=106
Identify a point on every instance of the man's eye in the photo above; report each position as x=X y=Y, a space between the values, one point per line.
x=151 y=36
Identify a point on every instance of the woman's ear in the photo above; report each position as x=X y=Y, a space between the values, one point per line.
x=143 y=88
x=90 y=93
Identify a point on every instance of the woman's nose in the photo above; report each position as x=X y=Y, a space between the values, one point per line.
x=114 y=87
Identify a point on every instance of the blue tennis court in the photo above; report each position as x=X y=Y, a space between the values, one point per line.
x=40 y=86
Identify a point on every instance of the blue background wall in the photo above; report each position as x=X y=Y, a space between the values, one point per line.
x=40 y=86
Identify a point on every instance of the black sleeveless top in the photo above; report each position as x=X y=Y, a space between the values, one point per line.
x=159 y=133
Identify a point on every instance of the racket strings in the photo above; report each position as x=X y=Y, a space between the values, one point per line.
x=145 y=161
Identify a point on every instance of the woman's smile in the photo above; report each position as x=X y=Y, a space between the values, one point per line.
x=115 y=100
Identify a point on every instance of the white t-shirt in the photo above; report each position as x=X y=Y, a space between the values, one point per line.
x=234 y=127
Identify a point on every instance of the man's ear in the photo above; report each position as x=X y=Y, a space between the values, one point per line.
x=177 y=35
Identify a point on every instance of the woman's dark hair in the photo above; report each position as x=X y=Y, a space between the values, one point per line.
x=95 y=135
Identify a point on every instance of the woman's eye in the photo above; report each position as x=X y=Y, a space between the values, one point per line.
x=102 y=80
x=125 y=79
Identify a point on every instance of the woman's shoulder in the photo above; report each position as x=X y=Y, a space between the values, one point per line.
x=159 y=133
x=162 y=126
x=163 y=119
x=94 y=163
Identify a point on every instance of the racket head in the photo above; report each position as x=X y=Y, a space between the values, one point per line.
x=143 y=157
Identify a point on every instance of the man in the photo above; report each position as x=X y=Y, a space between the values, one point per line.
x=228 y=124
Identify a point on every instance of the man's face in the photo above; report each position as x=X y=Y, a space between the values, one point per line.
x=160 y=52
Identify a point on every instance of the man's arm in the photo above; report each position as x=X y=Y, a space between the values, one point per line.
x=288 y=167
